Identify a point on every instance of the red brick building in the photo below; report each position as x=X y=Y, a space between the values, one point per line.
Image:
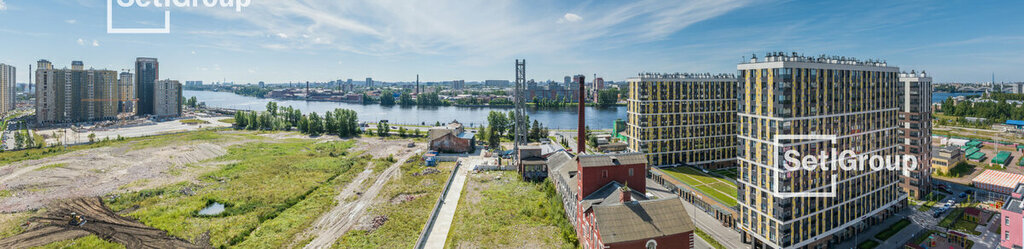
x=605 y=195
x=451 y=138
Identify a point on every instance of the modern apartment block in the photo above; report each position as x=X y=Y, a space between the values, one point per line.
x=167 y=98
x=147 y=72
x=1012 y=220
x=126 y=86
x=70 y=95
x=856 y=101
x=915 y=132
x=8 y=87
x=683 y=119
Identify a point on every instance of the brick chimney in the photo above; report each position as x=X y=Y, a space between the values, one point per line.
x=581 y=134
x=624 y=195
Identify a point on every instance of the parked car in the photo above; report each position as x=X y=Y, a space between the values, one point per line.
x=963 y=195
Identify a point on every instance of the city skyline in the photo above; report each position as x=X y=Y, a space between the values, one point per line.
x=475 y=41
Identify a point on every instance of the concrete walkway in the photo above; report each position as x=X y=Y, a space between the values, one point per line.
x=443 y=223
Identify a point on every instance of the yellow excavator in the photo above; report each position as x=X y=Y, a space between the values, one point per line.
x=76 y=220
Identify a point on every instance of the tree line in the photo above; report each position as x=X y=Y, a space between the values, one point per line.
x=340 y=122
x=501 y=125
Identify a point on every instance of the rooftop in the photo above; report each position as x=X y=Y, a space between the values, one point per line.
x=632 y=221
x=999 y=178
x=827 y=59
x=603 y=160
x=685 y=76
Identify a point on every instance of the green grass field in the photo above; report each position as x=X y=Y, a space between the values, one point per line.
x=722 y=190
x=501 y=203
x=405 y=218
x=272 y=192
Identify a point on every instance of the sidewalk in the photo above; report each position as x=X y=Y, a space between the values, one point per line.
x=443 y=223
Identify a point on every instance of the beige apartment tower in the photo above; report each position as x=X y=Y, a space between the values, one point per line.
x=789 y=94
x=915 y=131
x=69 y=95
x=683 y=119
x=167 y=98
x=8 y=88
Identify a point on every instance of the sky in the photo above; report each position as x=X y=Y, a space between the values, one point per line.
x=474 y=40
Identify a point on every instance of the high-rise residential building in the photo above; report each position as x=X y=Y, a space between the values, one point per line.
x=683 y=119
x=69 y=95
x=458 y=84
x=369 y=82
x=915 y=131
x=568 y=79
x=856 y=101
x=8 y=87
x=77 y=65
x=147 y=72
x=596 y=88
x=167 y=98
x=126 y=85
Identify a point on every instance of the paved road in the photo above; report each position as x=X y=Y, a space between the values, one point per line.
x=443 y=222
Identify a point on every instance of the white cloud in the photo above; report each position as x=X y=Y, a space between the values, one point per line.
x=71 y=21
x=95 y=43
x=81 y=41
x=3 y=5
x=474 y=29
x=570 y=17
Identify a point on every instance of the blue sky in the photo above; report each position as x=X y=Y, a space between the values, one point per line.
x=393 y=40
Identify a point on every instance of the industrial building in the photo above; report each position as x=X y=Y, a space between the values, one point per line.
x=75 y=95
x=451 y=138
x=915 y=131
x=783 y=94
x=683 y=119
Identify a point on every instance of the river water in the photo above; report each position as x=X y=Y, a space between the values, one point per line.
x=554 y=118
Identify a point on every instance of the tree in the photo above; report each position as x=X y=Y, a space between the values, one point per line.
x=383 y=129
x=497 y=121
x=416 y=132
x=405 y=100
x=387 y=98
x=493 y=141
x=92 y=137
x=535 y=132
x=401 y=131
x=316 y=124
x=272 y=108
x=607 y=97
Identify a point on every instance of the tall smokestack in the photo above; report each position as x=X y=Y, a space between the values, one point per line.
x=581 y=134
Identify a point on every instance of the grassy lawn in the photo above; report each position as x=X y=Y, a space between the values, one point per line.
x=966 y=226
x=227 y=121
x=890 y=231
x=721 y=189
x=952 y=217
x=496 y=204
x=90 y=241
x=868 y=244
x=271 y=192
x=405 y=219
x=730 y=173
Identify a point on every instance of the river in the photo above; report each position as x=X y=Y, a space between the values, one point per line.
x=554 y=118
x=941 y=96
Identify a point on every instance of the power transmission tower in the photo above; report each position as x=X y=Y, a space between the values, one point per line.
x=520 y=112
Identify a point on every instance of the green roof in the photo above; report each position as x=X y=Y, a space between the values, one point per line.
x=1020 y=146
x=971 y=151
x=1001 y=157
x=977 y=156
x=974 y=143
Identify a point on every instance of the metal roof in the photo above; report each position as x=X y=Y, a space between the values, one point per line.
x=631 y=221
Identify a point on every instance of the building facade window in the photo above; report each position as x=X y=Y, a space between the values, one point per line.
x=651 y=244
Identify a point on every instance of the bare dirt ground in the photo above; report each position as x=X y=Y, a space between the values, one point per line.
x=53 y=226
x=326 y=230
x=100 y=171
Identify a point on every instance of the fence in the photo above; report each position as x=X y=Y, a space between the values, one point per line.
x=494 y=168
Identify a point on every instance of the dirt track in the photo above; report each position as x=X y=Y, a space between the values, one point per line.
x=341 y=218
x=100 y=171
x=52 y=226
